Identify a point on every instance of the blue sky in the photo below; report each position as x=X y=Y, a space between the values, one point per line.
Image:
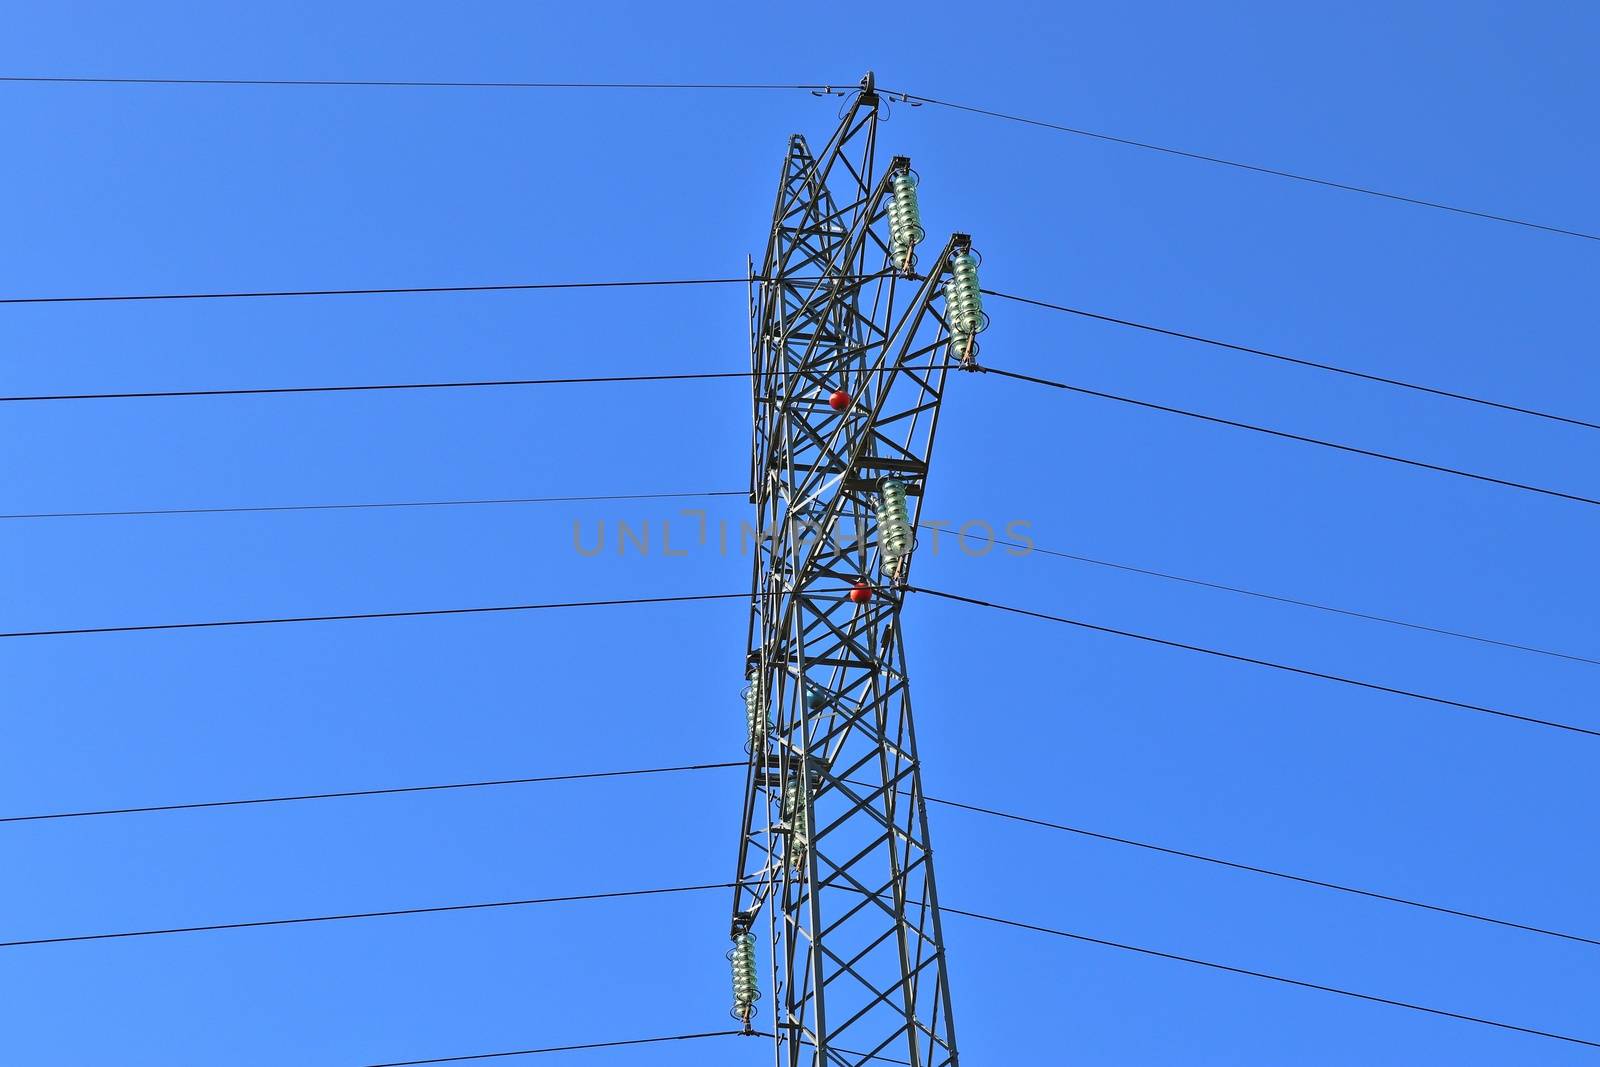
x=151 y=189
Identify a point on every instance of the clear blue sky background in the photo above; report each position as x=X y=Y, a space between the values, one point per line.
x=150 y=189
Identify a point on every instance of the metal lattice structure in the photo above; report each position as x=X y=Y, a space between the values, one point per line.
x=850 y=350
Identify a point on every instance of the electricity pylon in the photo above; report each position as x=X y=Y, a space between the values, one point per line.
x=850 y=348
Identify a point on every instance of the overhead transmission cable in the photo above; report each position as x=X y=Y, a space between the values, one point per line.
x=1047 y=824
x=816 y=88
x=719 y=375
x=1031 y=548
x=519 y=287
x=1286 y=435
x=609 y=379
x=1229 y=345
x=732 y=596
x=435 y=910
x=1296 y=360
x=685 y=598
x=673 y=890
x=375 y=505
x=1193 y=961
x=607 y=776
x=1238 y=658
x=1048 y=305
x=1255 y=168
x=622 y=1043
x=863 y=1057
x=390 y=84
x=392 y=791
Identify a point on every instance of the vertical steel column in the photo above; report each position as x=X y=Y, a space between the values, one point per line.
x=850 y=370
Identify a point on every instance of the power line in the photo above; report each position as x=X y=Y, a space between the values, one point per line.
x=1285 y=435
x=824 y=87
x=617 y=895
x=502 y=382
x=374 y=292
x=382 y=504
x=698 y=767
x=726 y=281
x=570 y=1048
x=1035 y=928
x=1296 y=360
x=1248 y=166
x=636 y=893
x=1032 y=548
x=608 y=379
x=377 y=615
x=1276 y=598
x=1303 y=671
x=616 y=1044
x=1234 y=865
x=344 y=794
x=367 y=83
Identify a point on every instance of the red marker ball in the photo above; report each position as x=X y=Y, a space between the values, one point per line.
x=839 y=400
x=861 y=593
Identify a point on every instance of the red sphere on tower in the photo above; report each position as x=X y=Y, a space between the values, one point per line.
x=861 y=593
x=839 y=400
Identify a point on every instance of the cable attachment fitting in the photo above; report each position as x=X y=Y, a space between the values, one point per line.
x=799 y=831
x=755 y=711
x=963 y=308
x=894 y=528
x=742 y=957
x=905 y=217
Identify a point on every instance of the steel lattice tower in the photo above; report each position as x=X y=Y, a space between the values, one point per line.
x=850 y=354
